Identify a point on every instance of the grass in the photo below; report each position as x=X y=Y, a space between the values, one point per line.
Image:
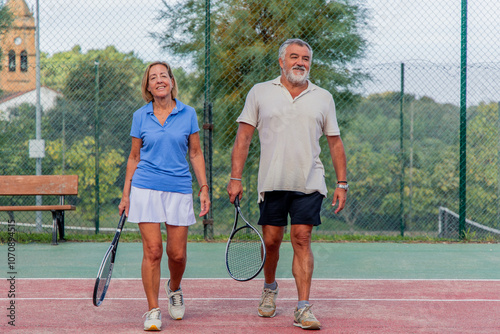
x=24 y=238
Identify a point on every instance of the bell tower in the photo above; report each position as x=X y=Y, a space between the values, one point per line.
x=19 y=54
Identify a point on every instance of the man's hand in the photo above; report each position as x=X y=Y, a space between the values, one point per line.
x=339 y=196
x=234 y=188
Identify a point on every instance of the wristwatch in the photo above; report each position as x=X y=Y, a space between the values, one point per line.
x=344 y=186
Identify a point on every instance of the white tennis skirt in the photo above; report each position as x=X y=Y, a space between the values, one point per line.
x=153 y=206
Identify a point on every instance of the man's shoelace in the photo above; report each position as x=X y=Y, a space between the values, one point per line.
x=268 y=296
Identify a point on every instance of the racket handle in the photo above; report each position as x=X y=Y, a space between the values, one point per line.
x=237 y=201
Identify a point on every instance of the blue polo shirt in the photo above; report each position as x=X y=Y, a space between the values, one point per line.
x=163 y=165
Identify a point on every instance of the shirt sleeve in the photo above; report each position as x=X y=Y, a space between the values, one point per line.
x=331 y=127
x=250 y=113
x=194 y=122
x=135 y=131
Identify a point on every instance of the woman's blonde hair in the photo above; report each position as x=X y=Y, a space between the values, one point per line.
x=146 y=94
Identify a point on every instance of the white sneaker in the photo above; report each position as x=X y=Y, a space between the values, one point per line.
x=153 y=320
x=176 y=306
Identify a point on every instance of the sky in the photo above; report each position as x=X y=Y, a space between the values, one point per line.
x=424 y=34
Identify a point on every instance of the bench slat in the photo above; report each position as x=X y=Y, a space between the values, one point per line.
x=31 y=185
x=37 y=208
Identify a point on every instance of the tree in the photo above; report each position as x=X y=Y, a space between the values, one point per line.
x=245 y=38
x=375 y=163
x=6 y=19
x=116 y=96
x=246 y=35
x=483 y=167
x=80 y=160
x=100 y=86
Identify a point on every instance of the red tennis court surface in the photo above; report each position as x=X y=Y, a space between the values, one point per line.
x=227 y=306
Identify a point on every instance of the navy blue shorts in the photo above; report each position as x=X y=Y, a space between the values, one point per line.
x=302 y=208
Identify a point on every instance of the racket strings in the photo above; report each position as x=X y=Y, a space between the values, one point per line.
x=106 y=269
x=245 y=253
x=103 y=279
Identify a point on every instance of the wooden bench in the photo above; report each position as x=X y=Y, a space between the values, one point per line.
x=41 y=185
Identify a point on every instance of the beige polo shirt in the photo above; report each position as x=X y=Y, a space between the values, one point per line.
x=289 y=132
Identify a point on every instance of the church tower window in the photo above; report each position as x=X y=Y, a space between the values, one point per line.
x=12 y=61
x=24 y=61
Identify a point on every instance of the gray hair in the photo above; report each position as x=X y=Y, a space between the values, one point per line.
x=288 y=42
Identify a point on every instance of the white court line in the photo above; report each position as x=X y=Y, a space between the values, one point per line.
x=286 y=299
x=287 y=279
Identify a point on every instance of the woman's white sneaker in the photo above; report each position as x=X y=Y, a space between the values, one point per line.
x=176 y=306
x=153 y=320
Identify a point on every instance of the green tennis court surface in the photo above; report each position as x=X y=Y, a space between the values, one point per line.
x=332 y=260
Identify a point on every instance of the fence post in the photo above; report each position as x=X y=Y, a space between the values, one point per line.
x=401 y=144
x=96 y=140
x=463 y=124
x=498 y=164
x=208 y=127
x=38 y=112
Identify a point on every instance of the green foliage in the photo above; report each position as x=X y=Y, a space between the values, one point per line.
x=22 y=237
x=483 y=158
x=245 y=38
x=6 y=20
x=80 y=160
x=14 y=137
x=74 y=70
x=188 y=91
x=101 y=83
x=375 y=162
x=98 y=87
x=246 y=35
x=14 y=154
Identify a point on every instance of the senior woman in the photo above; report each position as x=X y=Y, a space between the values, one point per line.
x=158 y=185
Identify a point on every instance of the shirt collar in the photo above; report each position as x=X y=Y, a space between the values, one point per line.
x=310 y=85
x=178 y=107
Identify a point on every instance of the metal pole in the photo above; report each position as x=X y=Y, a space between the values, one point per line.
x=401 y=145
x=38 y=112
x=463 y=124
x=208 y=125
x=410 y=176
x=498 y=165
x=96 y=139
x=63 y=144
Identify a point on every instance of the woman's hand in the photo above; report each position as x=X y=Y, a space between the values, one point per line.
x=124 y=206
x=204 y=201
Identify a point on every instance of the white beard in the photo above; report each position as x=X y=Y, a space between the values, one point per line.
x=297 y=79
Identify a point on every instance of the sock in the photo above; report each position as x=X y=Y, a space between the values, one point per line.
x=271 y=286
x=302 y=304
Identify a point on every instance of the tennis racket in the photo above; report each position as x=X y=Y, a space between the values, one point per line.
x=245 y=250
x=106 y=268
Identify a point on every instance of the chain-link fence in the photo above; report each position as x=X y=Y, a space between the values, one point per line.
x=394 y=69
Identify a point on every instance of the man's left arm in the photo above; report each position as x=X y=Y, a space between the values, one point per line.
x=340 y=164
